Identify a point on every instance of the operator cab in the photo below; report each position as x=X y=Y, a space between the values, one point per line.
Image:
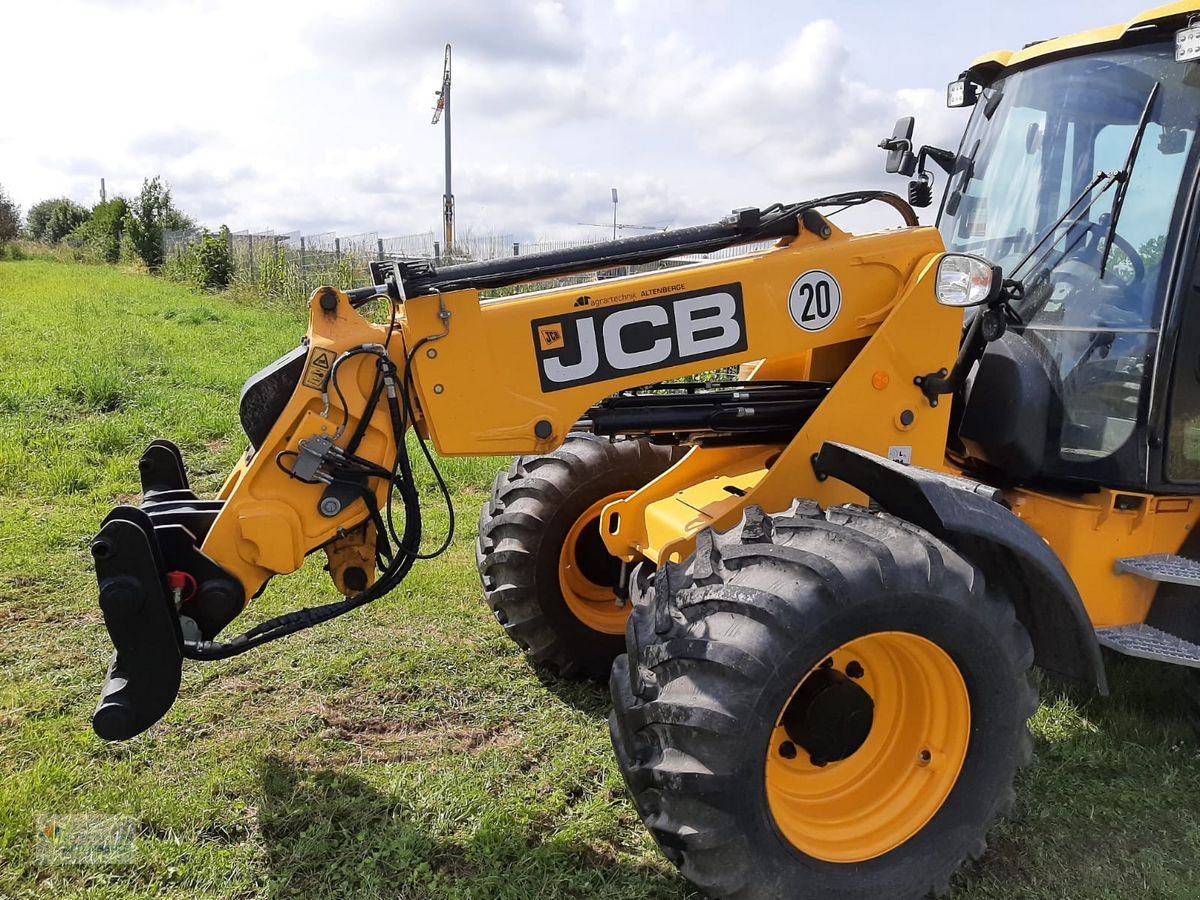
x=1075 y=176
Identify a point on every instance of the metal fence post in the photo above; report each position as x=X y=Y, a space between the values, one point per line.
x=250 y=237
x=337 y=250
x=381 y=256
x=437 y=250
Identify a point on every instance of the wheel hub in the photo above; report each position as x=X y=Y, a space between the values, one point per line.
x=868 y=747
x=829 y=716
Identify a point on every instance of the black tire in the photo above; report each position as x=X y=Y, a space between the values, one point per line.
x=522 y=528
x=718 y=643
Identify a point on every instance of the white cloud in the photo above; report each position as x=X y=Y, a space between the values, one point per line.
x=301 y=114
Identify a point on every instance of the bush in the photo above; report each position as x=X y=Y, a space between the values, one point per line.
x=10 y=218
x=148 y=214
x=52 y=220
x=216 y=260
x=206 y=264
x=102 y=232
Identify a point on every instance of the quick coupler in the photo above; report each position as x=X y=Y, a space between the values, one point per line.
x=140 y=615
x=159 y=593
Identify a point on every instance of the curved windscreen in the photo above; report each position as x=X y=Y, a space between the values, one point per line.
x=1028 y=195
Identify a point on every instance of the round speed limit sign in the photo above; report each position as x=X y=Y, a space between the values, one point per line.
x=815 y=301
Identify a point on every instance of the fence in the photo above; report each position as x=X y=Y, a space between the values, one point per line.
x=291 y=265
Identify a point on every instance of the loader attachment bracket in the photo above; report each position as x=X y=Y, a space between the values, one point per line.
x=968 y=516
x=159 y=593
x=144 y=674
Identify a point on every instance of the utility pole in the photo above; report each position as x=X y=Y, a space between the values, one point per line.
x=614 y=192
x=441 y=112
x=103 y=192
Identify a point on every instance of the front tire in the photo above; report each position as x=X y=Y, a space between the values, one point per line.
x=822 y=705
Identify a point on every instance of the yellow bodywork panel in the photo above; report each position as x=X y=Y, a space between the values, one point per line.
x=480 y=386
x=873 y=404
x=271 y=521
x=1095 y=39
x=888 y=327
x=1090 y=532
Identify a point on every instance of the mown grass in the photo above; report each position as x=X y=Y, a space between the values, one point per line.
x=404 y=750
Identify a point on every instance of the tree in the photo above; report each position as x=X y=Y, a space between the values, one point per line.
x=102 y=232
x=148 y=215
x=52 y=220
x=65 y=218
x=10 y=218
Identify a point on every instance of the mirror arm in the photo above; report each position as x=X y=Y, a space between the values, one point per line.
x=944 y=158
x=936 y=384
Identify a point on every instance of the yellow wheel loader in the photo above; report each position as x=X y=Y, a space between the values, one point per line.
x=818 y=589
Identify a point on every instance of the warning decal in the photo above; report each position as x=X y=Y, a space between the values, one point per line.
x=316 y=373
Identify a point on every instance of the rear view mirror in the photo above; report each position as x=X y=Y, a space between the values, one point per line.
x=900 y=158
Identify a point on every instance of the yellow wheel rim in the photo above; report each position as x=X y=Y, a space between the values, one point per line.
x=586 y=573
x=889 y=716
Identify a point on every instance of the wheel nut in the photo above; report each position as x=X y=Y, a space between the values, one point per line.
x=924 y=758
x=787 y=750
x=854 y=669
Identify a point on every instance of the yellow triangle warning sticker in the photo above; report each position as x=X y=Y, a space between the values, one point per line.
x=317 y=371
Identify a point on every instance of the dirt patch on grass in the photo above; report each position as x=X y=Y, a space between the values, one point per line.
x=27 y=613
x=412 y=739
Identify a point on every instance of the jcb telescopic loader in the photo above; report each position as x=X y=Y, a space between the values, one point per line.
x=819 y=590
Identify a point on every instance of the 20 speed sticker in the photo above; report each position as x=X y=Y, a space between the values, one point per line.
x=815 y=300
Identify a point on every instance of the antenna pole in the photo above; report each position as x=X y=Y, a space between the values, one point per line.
x=442 y=112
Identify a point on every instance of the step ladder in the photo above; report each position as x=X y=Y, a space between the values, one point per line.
x=1162 y=567
x=1146 y=641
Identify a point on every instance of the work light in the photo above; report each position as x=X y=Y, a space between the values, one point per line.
x=961 y=93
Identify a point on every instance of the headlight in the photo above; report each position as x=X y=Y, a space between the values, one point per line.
x=964 y=280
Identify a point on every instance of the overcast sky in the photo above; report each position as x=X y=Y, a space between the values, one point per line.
x=315 y=116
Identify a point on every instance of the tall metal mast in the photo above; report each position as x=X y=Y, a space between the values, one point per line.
x=442 y=112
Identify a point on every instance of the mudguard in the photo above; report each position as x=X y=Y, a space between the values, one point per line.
x=965 y=514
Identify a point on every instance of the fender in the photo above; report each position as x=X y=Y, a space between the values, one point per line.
x=965 y=514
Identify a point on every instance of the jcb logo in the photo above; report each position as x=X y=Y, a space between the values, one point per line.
x=602 y=344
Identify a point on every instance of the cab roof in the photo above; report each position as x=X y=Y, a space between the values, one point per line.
x=1173 y=15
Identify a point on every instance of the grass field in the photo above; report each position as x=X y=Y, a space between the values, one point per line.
x=405 y=750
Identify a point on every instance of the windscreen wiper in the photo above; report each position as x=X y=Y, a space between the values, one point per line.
x=1124 y=175
x=1102 y=180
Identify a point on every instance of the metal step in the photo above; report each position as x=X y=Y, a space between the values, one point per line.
x=1162 y=567
x=1148 y=642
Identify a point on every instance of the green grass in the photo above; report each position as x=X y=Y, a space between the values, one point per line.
x=405 y=750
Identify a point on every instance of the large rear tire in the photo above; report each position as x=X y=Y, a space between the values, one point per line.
x=821 y=705
x=546 y=573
